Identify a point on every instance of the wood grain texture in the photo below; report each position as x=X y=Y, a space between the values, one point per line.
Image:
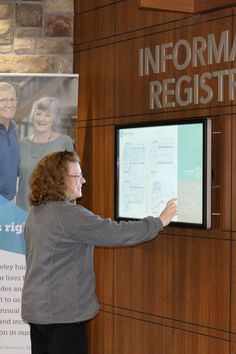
x=93 y=25
x=208 y=5
x=140 y=19
x=191 y=6
x=172 y=323
x=96 y=74
x=88 y=5
x=85 y=149
x=140 y=337
x=233 y=292
x=233 y=346
x=171 y=5
x=104 y=269
x=233 y=209
x=93 y=145
x=100 y=333
x=181 y=278
x=103 y=170
x=221 y=172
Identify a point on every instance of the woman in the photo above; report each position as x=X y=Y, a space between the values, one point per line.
x=44 y=116
x=59 y=287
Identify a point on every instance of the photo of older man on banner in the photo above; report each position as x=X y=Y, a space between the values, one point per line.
x=37 y=116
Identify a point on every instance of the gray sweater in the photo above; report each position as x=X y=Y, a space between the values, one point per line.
x=59 y=284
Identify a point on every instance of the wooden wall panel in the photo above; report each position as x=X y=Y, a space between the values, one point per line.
x=221 y=172
x=130 y=87
x=192 y=6
x=233 y=348
x=93 y=25
x=140 y=19
x=184 y=6
x=104 y=269
x=100 y=167
x=85 y=149
x=233 y=292
x=172 y=323
x=103 y=170
x=83 y=6
x=139 y=337
x=233 y=345
x=233 y=209
x=176 y=277
x=96 y=91
x=102 y=343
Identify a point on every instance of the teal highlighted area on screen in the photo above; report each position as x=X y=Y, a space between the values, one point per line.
x=190 y=152
x=12 y=222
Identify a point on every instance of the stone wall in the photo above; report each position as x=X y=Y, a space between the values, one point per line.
x=36 y=36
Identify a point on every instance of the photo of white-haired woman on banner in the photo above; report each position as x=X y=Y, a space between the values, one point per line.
x=45 y=116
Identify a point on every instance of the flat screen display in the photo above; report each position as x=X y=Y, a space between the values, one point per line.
x=160 y=161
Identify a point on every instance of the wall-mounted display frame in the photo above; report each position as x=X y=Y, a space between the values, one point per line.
x=163 y=160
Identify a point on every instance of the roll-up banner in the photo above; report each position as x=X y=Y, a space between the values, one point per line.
x=37 y=116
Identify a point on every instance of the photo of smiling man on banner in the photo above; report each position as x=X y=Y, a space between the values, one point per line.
x=9 y=152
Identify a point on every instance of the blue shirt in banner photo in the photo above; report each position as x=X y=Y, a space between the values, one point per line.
x=9 y=160
x=12 y=221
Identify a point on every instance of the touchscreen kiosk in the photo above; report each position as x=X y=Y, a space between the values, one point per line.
x=163 y=160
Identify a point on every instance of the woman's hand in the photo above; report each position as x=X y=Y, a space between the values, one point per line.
x=169 y=212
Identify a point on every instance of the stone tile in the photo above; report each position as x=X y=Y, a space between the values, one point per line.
x=59 y=26
x=22 y=40
x=27 y=63
x=5 y=49
x=59 y=6
x=6 y=31
x=6 y=10
x=28 y=32
x=29 y=15
x=65 y=65
x=23 y=45
x=52 y=46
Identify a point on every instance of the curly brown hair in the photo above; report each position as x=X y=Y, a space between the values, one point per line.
x=47 y=181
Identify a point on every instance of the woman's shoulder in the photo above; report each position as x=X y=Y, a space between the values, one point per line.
x=65 y=141
x=65 y=137
x=65 y=210
x=25 y=140
x=70 y=206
